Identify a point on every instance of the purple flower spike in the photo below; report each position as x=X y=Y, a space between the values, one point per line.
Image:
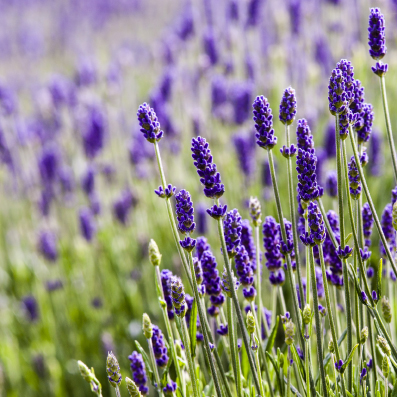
x=87 y=223
x=188 y=244
x=139 y=372
x=168 y=192
x=358 y=97
x=150 y=126
x=185 y=212
x=368 y=222
x=331 y=184
x=232 y=227
x=166 y=279
x=365 y=254
x=304 y=136
x=376 y=34
x=277 y=277
x=316 y=223
x=346 y=68
x=263 y=119
x=337 y=96
x=369 y=364
x=308 y=189
x=307 y=239
x=271 y=243
x=245 y=272
x=159 y=348
x=363 y=125
x=344 y=253
x=364 y=296
x=217 y=212
x=288 y=151
x=374 y=296
x=222 y=330
x=370 y=272
x=206 y=169
x=387 y=228
x=380 y=68
x=363 y=375
x=288 y=106
x=48 y=245
x=354 y=179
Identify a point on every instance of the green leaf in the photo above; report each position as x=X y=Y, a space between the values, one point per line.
x=394 y=392
x=299 y=363
x=179 y=392
x=193 y=328
x=245 y=366
x=147 y=363
x=293 y=389
x=379 y=285
x=276 y=369
x=349 y=394
x=348 y=238
x=348 y=359
x=272 y=337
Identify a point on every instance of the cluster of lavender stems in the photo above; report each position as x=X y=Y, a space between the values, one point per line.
x=346 y=105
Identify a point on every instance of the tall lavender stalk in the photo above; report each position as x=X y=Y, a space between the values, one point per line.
x=150 y=128
x=338 y=96
x=378 y=49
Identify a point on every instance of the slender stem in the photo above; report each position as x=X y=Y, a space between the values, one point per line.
x=282 y=300
x=259 y=372
x=117 y=391
x=202 y=320
x=371 y=337
x=388 y=126
x=233 y=347
x=154 y=365
x=237 y=306
x=386 y=386
x=288 y=393
x=191 y=366
x=292 y=211
x=258 y=278
x=289 y=266
x=338 y=328
x=169 y=331
x=335 y=374
x=318 y=325
x=349 y=373
x=370 y=202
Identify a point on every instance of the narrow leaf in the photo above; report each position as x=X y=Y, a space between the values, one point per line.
x=276 y=369
x=394 y=392
x=348 y=359
x=348 y=238
x=193 y=328
x=299 y=363
x=379 y=285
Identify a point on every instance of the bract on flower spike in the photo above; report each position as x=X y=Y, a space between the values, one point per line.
x=113 y=370
x=263 y=119
x=132 y=388
x=154 y=253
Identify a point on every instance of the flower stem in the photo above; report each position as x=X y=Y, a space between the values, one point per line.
x=370 y=202
x=288 y=393
x=237 y=306
x=371 y=337
x=293 y=214
x=388 y=126
x=202 y=320
x=155 y=370
x=258 y=278
x=191 y=366
x=233 y=347
x=339 y=167
x=259 y=372
x=318 y=325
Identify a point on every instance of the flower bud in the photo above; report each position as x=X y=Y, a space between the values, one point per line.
x=383 y=345
x=132 y=388
x=154 y=253
x=289 y=332
x=385 y=366
x=307 y=314
x=250 y=323
x=255 y=211
x=84 y=371
x=147 y=326
x=280 y=358
x=113 y=370
x=331 y=346
x=386 y=309
x=364 y=335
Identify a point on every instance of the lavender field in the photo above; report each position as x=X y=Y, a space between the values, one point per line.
x=198 y=198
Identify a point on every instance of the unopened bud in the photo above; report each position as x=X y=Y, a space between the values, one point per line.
x=113 y=370
x=307 y=314
x=331 y=346
x=255 y=211
x=154 y=253
x=363 y=335
x=84 y=371
x=386 y=309
x=147 y=326
x=385 y=366
x=289 y=332
x=132 y=388
x=250 y=323
x=383 y=345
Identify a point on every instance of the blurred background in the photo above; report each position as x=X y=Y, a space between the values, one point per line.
x=77 y=177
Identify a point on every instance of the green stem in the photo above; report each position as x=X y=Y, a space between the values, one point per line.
x=318 y=325
x=289 y=266
x=117 y=391
x=259 y=372
x=288 y=393
x=154 y=365
x=327 y=224
x=370 y=202
x=202 y=320
x=259 y=279
x=233 y=347
x=291 y=193
x=371 y=337
x=237 y=306
x=388 y=125
x=191 y=366
x=330 y=314
x=339 y=167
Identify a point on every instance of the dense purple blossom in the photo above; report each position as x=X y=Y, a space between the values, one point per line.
x=166 y=279
x=358 y=97
x=232 y=228
x=316 y=223
x=139 y=372
x=288 y=106
x=88 y=180
x=331 y=184
x=245 y=148
x=263 y=119
x=304 y=137
x=87 y=223
x=240 y=97
x=148 y=121
x=364 y=123
x=159 y=347
x=48 y=245
x=376 y=34
x=245 y=272
x=30 y=305
x=368 y=222
x=354 y=179
x=185 y=212
x=248 y=242
x=308 y=188
x=122 y=206
x=49 y=162
x=210 y=47
x=206 y=169
x=94 y=132
x=387 y=228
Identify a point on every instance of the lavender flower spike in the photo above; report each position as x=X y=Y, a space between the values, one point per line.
x=376 y=34
x=150 y=126
x=263 y=119
x=206 y=169
x=178 y=297
x=232 y=226
x=139 y=372
x=288 y=106
x=354 y=179
x=185 y=212
x=316 y=223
